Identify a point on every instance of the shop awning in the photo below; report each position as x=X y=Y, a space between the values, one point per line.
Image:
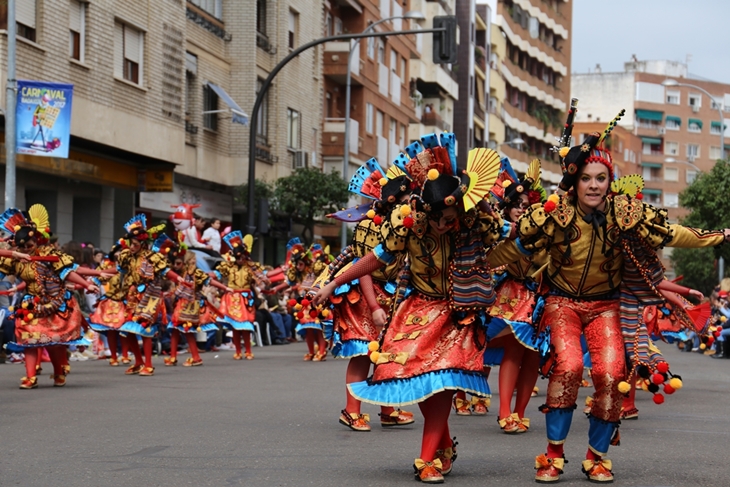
x=651 y=140
x=650 y=115
x=652 y=191
x=238 y=115
x=672 y=118
x=654 y=165
x=695 y=121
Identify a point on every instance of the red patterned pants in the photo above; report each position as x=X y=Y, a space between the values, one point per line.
x=599 y=322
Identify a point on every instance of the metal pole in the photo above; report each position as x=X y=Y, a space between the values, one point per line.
x=10 y=111
x=348 y=84
x=265 y=88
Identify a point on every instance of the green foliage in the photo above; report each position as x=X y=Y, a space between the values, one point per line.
x=261 y=190
x=697 y=267
x=308 y=194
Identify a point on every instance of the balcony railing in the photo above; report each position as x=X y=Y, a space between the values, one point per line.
x=433 y=119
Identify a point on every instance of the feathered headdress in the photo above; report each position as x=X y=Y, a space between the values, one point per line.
x=169 y=248
x=297 y=252
x=25 y=226
x=508 y=187
x=238 y=244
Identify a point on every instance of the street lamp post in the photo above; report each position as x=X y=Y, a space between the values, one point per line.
x=413 y=15
x=674 y=82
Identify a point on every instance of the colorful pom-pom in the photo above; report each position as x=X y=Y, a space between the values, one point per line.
x=723 y=318
x=639 y=196
x=702 y=346
x=378 y=220
x=405 y=210
x=373 y=346
x=30 y=316
x=554 y=198
x=383 y=181
x=657 y=378
x=306 y=302
x=297 y=307
x=433 y=174
x=676 y=383
x=564 y=151
x=662 y=367
x=658 y=399
x=325 y=313
x=668 y=389
x=292 y=303
x=374 y=356
x=313 y=313
x=16 y=227
x=549 y=206
x=408 y=222
x=370 y=214
x=506 y=183
x=624 y=387
x=300 y=315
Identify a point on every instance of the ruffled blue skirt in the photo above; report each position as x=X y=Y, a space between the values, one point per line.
x=137 y=329
x=193 y=329
x=232 y=324
x=17 y=348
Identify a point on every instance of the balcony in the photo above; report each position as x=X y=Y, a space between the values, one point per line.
x=333 y=138
x=433 y=119
x=335 y=62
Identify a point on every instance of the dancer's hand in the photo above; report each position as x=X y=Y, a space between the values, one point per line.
x=324 y=293
x=380 y=317
x=21 y=256
x=92 y=289
x=697 y=294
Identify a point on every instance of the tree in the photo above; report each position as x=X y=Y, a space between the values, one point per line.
x=707 y=199
x=309 y=193
x=262 y=190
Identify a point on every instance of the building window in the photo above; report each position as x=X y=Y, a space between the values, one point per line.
x=671 y=148
x=261 y=17
x=213 y=7
x=77 y=27
x=403 y=69
x=715 y=153
x=673 y=97
x=293 y=23
x=262 y=120
x=671 y=174
x=690 y=176
x=210 y=104
x=715 y=103
x=338 y=26
x=694 y=126
x=393 y=61
x=25 y=18
x=695 y=100
x=369 y=118
x=671 y=200
x=379 y=123
x=715 y=128
x=293 y=136
x=381 y=51
x=328 y=28
x=693 y=151
x=371 y=47
x=672 y=124
x=128 y=51
x=191 y=70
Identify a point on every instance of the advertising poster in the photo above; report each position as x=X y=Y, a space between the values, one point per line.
x=43 y=118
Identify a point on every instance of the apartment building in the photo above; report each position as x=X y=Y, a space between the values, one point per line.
x=626 y=147
x=680 y=127
x=154 y=87
x=533 y=60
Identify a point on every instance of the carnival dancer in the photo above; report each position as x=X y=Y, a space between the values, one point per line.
x=592 y=238
x=144 y=268
x=241 y=274
x=514 y=343
x=355 y=302
x=48 y=314
x=111 y=313
x=430 y=349
x=190 y=313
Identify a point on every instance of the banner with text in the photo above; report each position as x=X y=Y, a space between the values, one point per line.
x=43 y=118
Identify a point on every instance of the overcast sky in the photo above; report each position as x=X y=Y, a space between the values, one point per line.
x=609 y=32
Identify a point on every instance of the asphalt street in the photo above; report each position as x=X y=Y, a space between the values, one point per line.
x=273 y=422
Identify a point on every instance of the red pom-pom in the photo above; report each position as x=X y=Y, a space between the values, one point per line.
x=668 y=389
x=549 y=206
x=408 y=222
x=292 y=303
x=313 y=313
x=710 y=341
x=305 y=302
x=377 y=219
x=717 y=333
x=300 y=315
x=657 y=378
x=662 y=367
x=533 y=197
x=658 y=399
x=639 y=196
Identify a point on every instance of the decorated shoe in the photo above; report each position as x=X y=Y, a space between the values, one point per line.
x=147 y=371
x=462 y=407
x=355 y=421
x=29 y=383
x=429 y=472
x=632 y=413
x=308 y=357
x=535 y=391
x=58 y=380
x=548 y=469
x=126 y=361
x=320 y=357
x=133 y=370
x=480 y=405
x=589 y=405
x=113 y=363
x=396 y=418
x=510 y=424
x=447 y=457
x=249 y=356
x=66 y=369
x=170 y=361
x=584 y=383
x=191 y=362
x=237 y=356
x=598 y=471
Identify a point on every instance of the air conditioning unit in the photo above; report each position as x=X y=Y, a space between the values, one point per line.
x=695 y=108
x=691 y=158
x=301 y=159
x=661 y=130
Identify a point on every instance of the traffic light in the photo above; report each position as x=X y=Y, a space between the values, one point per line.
x=444 y=43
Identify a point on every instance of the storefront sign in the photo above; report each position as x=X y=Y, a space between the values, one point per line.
x=212 y=204
x=155 y=180
x=43 y=118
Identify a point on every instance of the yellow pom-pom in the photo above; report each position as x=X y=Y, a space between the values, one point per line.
x=624 y=387
x=167 y=250
x=25 y=305
x=16 y=227
x=325 y=313
x=30 y=316
x=235 y=245
x=676 y=383
x=383 y=181
x=405 y=210
x=11 y=309
x=433 y=174
x=198 y=329
x=374 y=356
x=297 y=307
x=506 y=183
x=644 y=386
x=554 y=198
x=564 y=151
x=148 y=329
x=370 y=214
x=723 y=318
x=702 y=346
x=373 y=346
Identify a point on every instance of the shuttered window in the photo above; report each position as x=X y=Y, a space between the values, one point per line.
x=77 y=28
x=128 y=51
x=25 y=18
